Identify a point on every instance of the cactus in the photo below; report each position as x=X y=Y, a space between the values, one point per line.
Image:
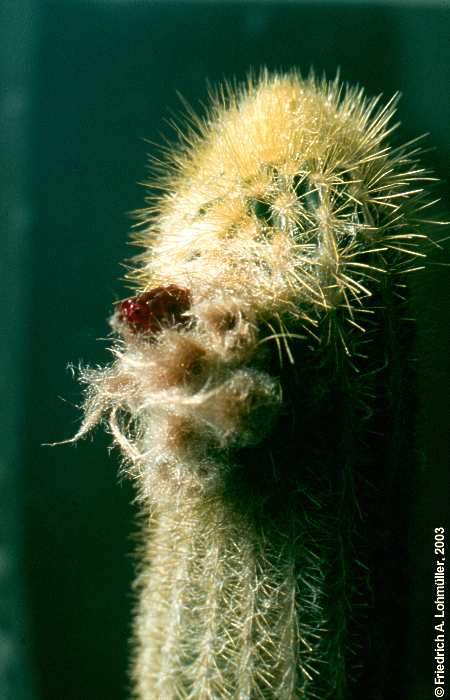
x=264 y=340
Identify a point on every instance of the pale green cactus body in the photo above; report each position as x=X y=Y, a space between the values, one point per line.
x=291 y=222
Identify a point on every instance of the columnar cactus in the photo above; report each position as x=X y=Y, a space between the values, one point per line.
x=262 y=341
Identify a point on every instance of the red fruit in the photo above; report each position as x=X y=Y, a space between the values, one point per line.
x=151 y=310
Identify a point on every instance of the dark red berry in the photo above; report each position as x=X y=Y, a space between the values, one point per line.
x=151 y=310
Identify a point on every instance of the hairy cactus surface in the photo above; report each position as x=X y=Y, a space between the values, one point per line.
x=255 y=380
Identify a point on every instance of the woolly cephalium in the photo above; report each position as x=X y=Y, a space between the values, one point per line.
x=250 y=365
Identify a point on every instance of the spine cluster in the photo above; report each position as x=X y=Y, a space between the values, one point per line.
x=248 y=367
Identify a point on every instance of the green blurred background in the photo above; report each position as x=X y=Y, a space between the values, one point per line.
x=85 y=83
